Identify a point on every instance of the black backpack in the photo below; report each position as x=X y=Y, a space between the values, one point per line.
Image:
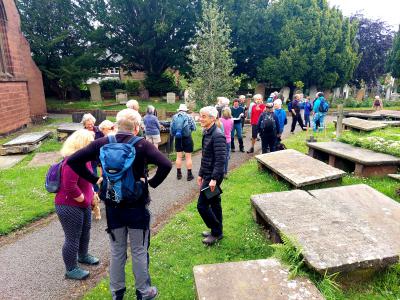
x=268 y=125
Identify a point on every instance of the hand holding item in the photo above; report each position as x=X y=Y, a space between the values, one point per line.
x=212 y=185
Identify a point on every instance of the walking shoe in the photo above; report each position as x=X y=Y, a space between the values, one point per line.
x=251 y=150
x=242 y=150
x=88 y=260
x=211 y=240
x=77 y=274
x=178 y=174
x=206 y=233
x=233 y=150
x=150 y=294
x=190 y=177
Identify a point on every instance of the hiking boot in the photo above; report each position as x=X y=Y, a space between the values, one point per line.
x=211 y=240
x=242 y=150
x=233 y=150
x=77 y=274
x=251 y=150
x=119 y=295
x=206 y=233
x=190 y=175
x=88 y=260
x=150 y=294
x=178 y=174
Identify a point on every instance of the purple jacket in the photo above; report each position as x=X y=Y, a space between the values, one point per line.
x=72 y=186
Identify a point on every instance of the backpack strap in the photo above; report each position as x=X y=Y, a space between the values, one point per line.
x=111 y=139
x=134 y=140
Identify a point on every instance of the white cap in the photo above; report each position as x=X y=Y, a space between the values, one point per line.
x=182 y=107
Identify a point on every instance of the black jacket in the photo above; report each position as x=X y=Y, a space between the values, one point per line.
x=213 y=154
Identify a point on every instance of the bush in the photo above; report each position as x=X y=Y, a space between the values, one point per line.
x=110 y=85
x=132 y=87
x=351 y=102
x=159 y=85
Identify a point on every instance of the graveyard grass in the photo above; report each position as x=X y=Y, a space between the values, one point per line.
x=59 y=105
x=177 y=248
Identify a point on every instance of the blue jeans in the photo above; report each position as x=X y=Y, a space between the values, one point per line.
x=318 y=118
x=307 y=121
x=238 y=128
x=227 y=157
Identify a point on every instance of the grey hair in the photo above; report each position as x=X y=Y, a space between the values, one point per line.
x=132 y=104
x=210 y=111
x=106 y=124
x=88 y=117
x=150 y=109
x=128 y=120
x=257 y=96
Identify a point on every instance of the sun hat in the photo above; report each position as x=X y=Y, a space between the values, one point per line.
x=182 y=107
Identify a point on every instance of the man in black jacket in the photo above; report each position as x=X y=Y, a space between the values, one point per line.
x=211 y=175
x=132 y=219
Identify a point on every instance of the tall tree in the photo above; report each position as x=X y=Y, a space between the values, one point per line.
x=211 y=56
x=63 y=42
x=393 y=63
x=375 y=39
x=147 y=35
x=312 y=43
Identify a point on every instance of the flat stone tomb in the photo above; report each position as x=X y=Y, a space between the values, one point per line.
x=255 y=279
x=7 y=162
x=362 y=162
x=297 y=168
x=392 y=114
x=28 y=138
x=343 y=229
x=367 y=116
x=361 y=124
x=389 y=123
x=395 y=176
x=69 y=127
x=43 y=159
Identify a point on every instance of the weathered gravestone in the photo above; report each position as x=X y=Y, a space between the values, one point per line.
x=361 y=124
x=121 y=96
x=95 y=91
x=24 y=143
x=66 y=129
x=366 y=116
x=43 y=159
x=171 y=97
x=395 y=176
x=10 y=161
x=260 y=279
x=298 y=169
x=360 y=95
x=285 y=91
x=344 y=229
x=362 y=162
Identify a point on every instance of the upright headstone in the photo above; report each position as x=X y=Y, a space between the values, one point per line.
x=144 y=94
x=388 y=92
x=121 y=97
x=171 y=97
x=189 y=99
x=336 y=92
x=346 y=91
x=260 y=89
x=313 y=91
x=95 y=92
x=360 y=94
x=285 y=91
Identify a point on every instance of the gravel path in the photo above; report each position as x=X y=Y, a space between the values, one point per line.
x=32 y=268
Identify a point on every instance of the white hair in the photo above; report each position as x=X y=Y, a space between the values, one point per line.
x=210 y=111
x=128 y=120
x=242 y=97
x=257 y=96
x=150 y=109
x=278 y=103
x=88 y=117
x=223 y=101
x=106 y=124
x=132 y=104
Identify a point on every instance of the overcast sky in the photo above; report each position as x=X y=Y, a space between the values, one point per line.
x=386 y=10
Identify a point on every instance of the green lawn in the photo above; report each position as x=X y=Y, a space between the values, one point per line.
x=177 y=248
x=58 y=105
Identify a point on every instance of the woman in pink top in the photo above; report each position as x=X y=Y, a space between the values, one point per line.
x=73 y=206
x=227 y=122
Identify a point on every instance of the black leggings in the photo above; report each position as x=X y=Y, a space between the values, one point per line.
x=76 y=223
x=297 y=118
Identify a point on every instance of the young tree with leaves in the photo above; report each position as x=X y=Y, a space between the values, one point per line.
x=211 y=56
x=393 y=63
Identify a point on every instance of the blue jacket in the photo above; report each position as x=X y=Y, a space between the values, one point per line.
x=307 y=108
x=151 y=124
x=316 y=105
x=281 y=116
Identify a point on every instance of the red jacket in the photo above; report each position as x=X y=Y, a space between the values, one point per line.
x=256 y=112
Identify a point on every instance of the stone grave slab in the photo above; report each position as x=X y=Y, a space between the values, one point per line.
x=66 y=129
x=395 y=176
x=389 y=123
x=43 y=159
x=28 y=138
x=366 y=116
x=392 y=114
x=362 y=161
x=361 y=124
x=254 y=279
x=347 y=229
x=7 y=162
x=297 y=168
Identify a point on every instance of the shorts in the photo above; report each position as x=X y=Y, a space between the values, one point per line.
x=254 y=131
x=184 y=144
x=154 y=139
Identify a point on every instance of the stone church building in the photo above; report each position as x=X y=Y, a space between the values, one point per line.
x=21 y=88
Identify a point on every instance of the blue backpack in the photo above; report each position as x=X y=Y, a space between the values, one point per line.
x=180 y=126
x=323 y=106
x=53 y=177
x=119 y=186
